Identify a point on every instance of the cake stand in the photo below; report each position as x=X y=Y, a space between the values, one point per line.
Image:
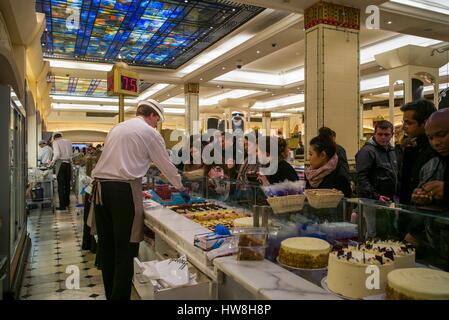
x=299 y=269
x=325 y=287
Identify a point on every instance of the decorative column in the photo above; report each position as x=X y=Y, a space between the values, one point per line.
x=266 y=122
x=227 y=120
x=286 y=128
x=192 y=101
x=332 y=73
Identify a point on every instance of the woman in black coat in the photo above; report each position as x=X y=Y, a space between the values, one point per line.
x=325 y=171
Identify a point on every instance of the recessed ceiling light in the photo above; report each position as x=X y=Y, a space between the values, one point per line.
x=218 y=86
x=224 y=68
x=257 y=51
x=389 y=22
x=201 y=79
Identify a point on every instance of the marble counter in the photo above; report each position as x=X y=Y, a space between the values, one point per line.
x=264 y=279
x=267 y=280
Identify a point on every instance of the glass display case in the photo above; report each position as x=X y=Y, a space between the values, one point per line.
x=351 y=220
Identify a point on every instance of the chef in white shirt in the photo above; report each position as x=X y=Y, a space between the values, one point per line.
x=129 y=149
x=62 y=160
x=45 y=153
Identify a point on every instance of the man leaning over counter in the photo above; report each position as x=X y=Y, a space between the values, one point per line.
x=129 y=149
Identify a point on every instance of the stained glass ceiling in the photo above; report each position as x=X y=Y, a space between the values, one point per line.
x=72 y=86
x=140 y=32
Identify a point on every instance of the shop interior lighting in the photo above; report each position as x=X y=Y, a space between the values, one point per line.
x=440 y=6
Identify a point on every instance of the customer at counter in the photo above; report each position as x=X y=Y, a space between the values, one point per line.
x=433 y=190
x=325 y=170
x=416 y=154
x=377 y=172
x=340 y=151
x=284 y=169
x=129 y=149
x=434 y=176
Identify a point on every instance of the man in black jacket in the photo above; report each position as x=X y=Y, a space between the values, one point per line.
x=415 y=156
x=377 y=171
x=415 y=116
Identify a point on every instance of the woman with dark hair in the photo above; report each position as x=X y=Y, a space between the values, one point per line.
x=284 y=170
x=325 y=171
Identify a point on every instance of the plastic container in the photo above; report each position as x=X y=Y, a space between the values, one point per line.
x=251 y=237
x=251 y=253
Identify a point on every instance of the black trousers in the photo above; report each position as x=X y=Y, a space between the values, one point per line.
x=114 y=220
x=64 y=176
x=88 y=240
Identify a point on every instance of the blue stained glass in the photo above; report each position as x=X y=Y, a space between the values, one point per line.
x=143 y=32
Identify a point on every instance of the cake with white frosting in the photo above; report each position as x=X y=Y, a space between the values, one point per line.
x=418 y=284
x=352 y=272
x=404 y=254
x=304 y=252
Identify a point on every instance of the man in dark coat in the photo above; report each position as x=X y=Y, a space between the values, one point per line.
x=415 y=156
x=377 y=171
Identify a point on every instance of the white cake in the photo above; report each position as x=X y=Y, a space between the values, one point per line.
x=404 y=255
x=350 y=273
x=304 y=252
x=418 y=284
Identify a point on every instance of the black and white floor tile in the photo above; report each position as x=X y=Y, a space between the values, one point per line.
x=56 y=251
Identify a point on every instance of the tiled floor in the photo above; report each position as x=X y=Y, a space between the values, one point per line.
x=56 y=248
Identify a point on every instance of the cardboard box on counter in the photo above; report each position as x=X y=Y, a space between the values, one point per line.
x=210 y=240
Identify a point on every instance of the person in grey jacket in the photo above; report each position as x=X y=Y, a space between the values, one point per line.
x=377 y=171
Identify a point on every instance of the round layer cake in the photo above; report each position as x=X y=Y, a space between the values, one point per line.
x=357 y=274
x=247 y=222
x=404 y=254
x=304 y=252
x=418 y=284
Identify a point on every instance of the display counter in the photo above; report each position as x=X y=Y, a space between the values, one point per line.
x=346 y=223
x=253 y=279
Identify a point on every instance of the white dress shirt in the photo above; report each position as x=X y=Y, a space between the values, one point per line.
x=45 y=155
x=62 y=150
x=129 y=149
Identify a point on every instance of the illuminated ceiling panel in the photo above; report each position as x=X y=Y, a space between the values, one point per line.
x=140 y=32
x=83 y=87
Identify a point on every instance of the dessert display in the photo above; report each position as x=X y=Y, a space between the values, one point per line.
x=304 y=252
x=247 y=222
x=251 y=253
x=251 y=243
x=349 y=270
x=403 y=253
x=207 y=214
x=418 y=284
x=194 y=208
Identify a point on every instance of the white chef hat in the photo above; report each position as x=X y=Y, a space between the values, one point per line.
x=156 y=106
